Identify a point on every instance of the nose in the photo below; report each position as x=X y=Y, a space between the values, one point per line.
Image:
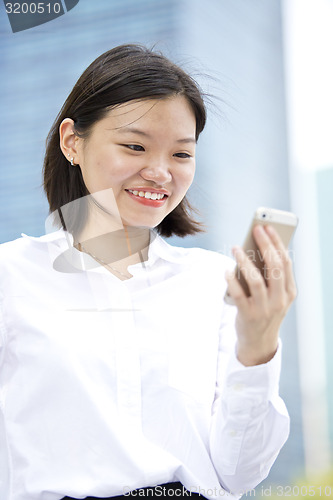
x=158 y=172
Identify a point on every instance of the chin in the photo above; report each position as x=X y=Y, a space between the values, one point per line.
x=141 y=223
x=144 y=219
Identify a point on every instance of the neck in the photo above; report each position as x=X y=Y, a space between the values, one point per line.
x=128 y=244
x=106 y=236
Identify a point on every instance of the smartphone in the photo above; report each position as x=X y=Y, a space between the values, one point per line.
x=283 y=222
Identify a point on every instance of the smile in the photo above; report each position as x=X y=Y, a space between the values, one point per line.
x=147 y=198
x=148 y=195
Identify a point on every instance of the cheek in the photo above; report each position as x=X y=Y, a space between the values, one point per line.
x=186 y=177
x=102 y=169
x=114 y=165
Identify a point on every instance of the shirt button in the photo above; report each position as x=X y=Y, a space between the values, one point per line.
x=233 y=433
x=238 y=387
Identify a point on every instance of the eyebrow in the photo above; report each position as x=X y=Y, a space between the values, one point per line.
x=133 y=130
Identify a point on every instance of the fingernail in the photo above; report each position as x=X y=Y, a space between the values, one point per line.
x=236 y=250
x=228 y=275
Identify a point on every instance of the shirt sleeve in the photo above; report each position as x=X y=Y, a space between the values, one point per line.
x=250 y=422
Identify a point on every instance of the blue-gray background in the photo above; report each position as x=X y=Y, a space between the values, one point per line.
x=234 y=48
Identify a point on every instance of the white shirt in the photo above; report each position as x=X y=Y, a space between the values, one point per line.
x=110 y=385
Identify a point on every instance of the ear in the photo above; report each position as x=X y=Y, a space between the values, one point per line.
x=69 y=140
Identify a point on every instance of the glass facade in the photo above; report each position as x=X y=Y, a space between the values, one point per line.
x=325 y=210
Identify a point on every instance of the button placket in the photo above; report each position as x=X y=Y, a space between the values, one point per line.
x=127 y=359
x=116 y=299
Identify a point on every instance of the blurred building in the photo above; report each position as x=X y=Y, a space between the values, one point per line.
x=234 y=48
x=325 y=209
x=309 y=105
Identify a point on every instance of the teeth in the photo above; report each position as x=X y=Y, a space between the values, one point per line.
x=147 y=194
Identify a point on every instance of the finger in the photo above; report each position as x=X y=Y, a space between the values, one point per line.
x=250 y=273
x=284 y=254
x=235 y=290
x=277 y=242
x=274 y=272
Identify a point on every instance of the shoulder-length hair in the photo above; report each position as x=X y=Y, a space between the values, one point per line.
x=124 y=73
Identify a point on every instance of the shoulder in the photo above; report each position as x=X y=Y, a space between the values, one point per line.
x=15 y=247
x=195 y=256
x=12 y=252
x=21 y=256
x=24 y=244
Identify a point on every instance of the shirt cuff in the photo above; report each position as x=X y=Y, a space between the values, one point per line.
x=252 y=384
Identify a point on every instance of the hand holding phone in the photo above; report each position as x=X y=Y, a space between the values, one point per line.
x=283 y=222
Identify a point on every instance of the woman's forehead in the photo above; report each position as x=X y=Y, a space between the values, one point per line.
x=131 y=110
x=143 y=112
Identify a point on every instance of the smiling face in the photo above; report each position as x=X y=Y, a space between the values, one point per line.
x=145 y=151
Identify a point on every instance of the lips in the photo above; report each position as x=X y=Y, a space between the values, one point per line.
x=151 y=197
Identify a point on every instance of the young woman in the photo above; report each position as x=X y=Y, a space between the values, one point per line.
x=121 y=366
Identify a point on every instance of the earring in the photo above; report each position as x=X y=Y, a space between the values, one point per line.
x=71 y=161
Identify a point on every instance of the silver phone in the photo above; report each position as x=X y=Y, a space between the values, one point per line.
x=283 y=222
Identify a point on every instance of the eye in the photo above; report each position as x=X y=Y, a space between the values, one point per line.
x=134 y=147
x=182 y=155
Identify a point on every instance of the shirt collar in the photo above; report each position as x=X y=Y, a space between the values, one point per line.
x=160 y=249
x=62 y=242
